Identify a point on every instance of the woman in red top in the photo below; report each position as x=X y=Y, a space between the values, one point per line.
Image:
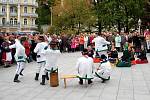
x=81 y=42
x=27 y=47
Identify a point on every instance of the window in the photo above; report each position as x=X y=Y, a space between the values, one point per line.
x=11 y=10
x=3 y=21
x=11 y=1
x=25 y=10
x=4 y=0
x=15 y=21
x=32 y=10
x=25 y=21
x=11 y=21
x=32 y=1
x=25 y=1
x=3 y=9
x=32 y=21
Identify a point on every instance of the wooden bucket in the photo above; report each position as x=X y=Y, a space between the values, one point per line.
x=54 y=80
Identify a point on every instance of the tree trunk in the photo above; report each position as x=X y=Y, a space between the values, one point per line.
x=126 y=22
x=99 y=27
x=79 y=27
x=119 y=26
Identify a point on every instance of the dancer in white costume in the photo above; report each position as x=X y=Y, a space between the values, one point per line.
x=51 y=54
x=85 y=67
x=40 y=57
x=104 y=70
x=100 y=45
x=20 y=57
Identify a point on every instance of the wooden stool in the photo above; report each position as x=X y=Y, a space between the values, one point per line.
x=68 y=77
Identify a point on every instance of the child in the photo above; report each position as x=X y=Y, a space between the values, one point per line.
x=104 y=71
x=142 y=56
x=90 y=51
x=113 y=54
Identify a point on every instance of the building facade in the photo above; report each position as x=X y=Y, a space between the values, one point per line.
x=18 y=15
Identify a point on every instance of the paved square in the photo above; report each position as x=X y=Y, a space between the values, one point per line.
x=125 y=84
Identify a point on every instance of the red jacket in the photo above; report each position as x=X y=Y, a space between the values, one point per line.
x=27 y=46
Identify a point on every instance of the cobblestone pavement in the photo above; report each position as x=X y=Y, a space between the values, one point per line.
x=125 y=84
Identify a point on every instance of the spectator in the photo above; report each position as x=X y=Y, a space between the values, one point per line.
x=118 y=42
x=81 y=42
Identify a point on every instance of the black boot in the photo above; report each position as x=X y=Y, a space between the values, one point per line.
x=43 y=80
x=21 y=72
x=80 y=81
x=47 y=76
x=16 y=78
x=103 y=80
x=37 y=76
x=89 y=81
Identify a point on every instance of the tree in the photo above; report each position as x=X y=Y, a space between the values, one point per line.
x=119 y=13
x=75 y=15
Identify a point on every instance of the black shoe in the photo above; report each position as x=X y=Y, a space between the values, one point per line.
x=16 y=78
x=37 y=77
x=17 y=81
x=89 y=82
x=47 y=76
x=21 y=72
x=80 y=81
x=6 y=66
x=108 y=78
x=103 y=81
x=43 y=80
x=42 y=83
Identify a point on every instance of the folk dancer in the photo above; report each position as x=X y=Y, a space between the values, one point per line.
x=51 y=54
x=100 y=45
x=85 y=67
x=20 y=57
x=40 y=57
x=104 y=70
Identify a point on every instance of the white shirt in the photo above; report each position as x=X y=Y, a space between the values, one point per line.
x=118 y=41
x=51 y=58
x=86 y=38
x=20 y=54
x=100 y=43
x=85 y=67
x=39 y=50
x=105 y=70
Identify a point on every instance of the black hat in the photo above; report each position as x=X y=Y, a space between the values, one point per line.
x=103 y=56
x=85 y=52
x=41 y=38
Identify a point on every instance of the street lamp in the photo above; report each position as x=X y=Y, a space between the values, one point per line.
x=51 y=10
x=51 y=15
x=139 y=23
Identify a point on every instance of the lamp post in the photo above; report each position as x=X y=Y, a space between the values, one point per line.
x=139 y=23
x=51 y=15
x=51 y=10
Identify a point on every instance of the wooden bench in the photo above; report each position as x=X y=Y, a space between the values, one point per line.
x=68 y=77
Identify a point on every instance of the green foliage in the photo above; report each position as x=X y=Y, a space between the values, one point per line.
x=107 y=14
x=119 y=12
x=50 y=2
x=44 y=16
x=75 y=19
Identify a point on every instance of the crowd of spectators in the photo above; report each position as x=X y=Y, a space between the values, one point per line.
x=70 y=43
